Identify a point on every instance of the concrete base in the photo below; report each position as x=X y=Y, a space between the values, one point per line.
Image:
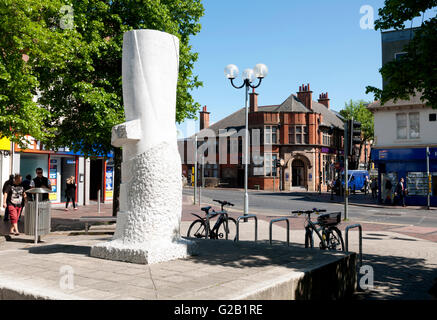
x=146 y=253
x=220 y=270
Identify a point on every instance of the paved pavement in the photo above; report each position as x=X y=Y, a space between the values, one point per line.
x=281 y=203
x=403 y=257
x=61 y=268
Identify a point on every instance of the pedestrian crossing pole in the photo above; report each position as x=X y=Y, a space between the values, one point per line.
x=195 y=168
x=429 y=178
x=346 y=155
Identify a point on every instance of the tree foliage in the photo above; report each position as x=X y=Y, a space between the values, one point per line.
x=416 y=71
x=76 y=70
x=359 y=112
x=25 y=41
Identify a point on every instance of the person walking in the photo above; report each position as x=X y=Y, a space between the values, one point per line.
x=70 y=193
x=26 y=185
x=374 y=188
x=388 y=186
x=41 y=182
x=401 y=192
x=5 y=185
x=26 y=182
x=366 y=185
x=13 y=200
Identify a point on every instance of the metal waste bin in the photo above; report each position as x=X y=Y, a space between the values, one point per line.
x=37 y=214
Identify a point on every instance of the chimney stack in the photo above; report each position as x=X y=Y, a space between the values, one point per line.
x=323 y=99
x=305 y=95
x=204 y=118
x=253 y=101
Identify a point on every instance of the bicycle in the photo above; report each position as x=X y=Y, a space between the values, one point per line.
x=201 y=228
x=325 y=228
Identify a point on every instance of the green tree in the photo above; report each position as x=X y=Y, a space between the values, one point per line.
x=75 y=67
x=417 y=69
x=359 y=112
x=26 y=41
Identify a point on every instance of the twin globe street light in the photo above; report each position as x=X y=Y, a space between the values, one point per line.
x=249 y=77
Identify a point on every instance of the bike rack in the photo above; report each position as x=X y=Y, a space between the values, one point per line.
x=216 y=213
x=288 y=229
x=360 y=229
x=237 y=236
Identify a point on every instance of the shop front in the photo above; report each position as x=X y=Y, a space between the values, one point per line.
x=56 y=166
x=410 y=164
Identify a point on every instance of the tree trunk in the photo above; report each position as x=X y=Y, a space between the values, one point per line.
x=118 y=157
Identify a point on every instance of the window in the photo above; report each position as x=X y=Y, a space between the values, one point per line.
x=401 y=125
x=305 y=135
x=432 y=117
x=270 y=135
x=291 y=139
x=414 y=132
x=274 y=134
x=269 y=164
x=398 y=55
x=211 y=170
x=298 y=135
x=258 y=165
x=326 y=139
x=417 y=183
x=408 y=125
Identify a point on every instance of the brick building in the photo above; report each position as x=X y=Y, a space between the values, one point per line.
x=304 y=135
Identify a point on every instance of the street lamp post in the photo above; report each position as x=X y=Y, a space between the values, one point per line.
x=249 y=75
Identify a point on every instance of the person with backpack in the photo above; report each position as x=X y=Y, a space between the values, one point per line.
x=13 y=200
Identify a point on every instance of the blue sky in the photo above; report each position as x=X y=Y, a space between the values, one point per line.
x=314 y=41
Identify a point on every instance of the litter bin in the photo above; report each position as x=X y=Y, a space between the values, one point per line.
x=37 y=215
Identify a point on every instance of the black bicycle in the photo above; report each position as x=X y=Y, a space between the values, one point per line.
x=325 y=228
x=224 y=227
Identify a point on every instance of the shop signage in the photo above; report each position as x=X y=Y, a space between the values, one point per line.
x=383 y=154
x=5 y=144
x=53 y=175
x=109 y=182
x=329 y=150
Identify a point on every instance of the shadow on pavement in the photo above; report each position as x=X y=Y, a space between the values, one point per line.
x=399 y=278
x=395 y=277
x=60 y=248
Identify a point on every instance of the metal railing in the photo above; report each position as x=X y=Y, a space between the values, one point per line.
x=288 y=229
x=237 y=236
x=213 y=214
x=360 y=229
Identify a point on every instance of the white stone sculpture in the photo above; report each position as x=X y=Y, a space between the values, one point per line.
x=148 y=223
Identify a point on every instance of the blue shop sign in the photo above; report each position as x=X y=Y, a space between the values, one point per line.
x=402 y=154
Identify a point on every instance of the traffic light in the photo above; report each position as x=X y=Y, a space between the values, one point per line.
x=354 y=134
